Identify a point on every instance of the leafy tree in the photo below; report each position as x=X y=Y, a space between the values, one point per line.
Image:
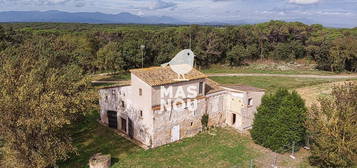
x=80 y=49
x=237 y=55
x=279 y=121
x=289 y=51
x=333 y=128
x=109 y=58
x=343 y=51
x=38 y=103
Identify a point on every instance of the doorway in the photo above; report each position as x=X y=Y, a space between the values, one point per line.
x=234 y=118
x=123 y=124
x=175 y=133
x=112 y=119
x=130 y=128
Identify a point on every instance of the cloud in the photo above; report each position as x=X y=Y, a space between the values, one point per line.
x=304 y=2
x=80 y=4
x=43 y=2
x=221 y=0
x=159 y=4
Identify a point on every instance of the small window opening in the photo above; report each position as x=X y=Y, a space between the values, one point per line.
x=140 y=92
x=122 y=104
x=191 y=123
x=200 y=88
x=114 y=95
x=141 y=113
x=250 y=102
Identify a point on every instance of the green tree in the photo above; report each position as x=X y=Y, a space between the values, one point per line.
x=109 y=58
x=289 y=51
x=333 y=128
x=237 y=55
x=279 y=122
x=38 y=103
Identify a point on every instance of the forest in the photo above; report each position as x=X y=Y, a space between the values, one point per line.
x=106 y=48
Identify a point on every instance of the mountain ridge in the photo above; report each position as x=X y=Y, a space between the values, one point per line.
x=83 y=17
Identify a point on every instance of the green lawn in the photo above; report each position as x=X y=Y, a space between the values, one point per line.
x=272 y=83
x=116 y=77
x=219 y=148
x=260 y=68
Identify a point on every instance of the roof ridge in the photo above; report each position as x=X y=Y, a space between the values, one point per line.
x=155 y=76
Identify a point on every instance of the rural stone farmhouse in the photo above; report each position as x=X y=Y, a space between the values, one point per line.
x=136 y=108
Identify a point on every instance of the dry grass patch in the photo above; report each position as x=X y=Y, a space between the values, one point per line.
x=311 y=93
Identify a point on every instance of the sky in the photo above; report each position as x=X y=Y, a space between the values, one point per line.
x=336 y=13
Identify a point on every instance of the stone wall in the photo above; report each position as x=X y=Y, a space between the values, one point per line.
x=112 y=99
x=249 y=111
x=188 y=121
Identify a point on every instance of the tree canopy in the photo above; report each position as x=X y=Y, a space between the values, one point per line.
x=41 y=96
x=333 y=128
x=280 y=121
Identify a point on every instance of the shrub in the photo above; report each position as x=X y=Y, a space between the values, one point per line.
x=333 y=128
x=279 y=121
x=204 y=121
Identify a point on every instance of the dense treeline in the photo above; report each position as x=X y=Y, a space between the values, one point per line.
x=118 y=48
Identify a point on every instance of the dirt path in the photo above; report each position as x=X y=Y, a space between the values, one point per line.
x=287 y=75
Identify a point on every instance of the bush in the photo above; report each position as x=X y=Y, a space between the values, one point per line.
x=333 y=128
x=204 y=121
x=279 y=121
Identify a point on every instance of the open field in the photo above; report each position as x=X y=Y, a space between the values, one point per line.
x=269 y=67
x=311 y=93
x=273 y=83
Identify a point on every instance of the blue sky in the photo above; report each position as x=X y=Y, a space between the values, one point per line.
x=339 y=13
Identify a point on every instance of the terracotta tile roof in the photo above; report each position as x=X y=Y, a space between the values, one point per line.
x=212 y=86
x=156 y=76
x=244 y=88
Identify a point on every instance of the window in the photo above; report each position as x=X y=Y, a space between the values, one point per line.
x=106 y=99
x=140 y=92
x=114 y=95
x=122 y=104
x=200 y=88
x=141 y=113
x=234 y=119
x=191 y=123
x=250 y=102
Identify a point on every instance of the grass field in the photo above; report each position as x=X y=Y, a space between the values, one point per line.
x=266 y=69
x=218 y=148
x=273 y=83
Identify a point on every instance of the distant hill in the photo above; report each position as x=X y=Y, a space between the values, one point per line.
x=83 y=17
x=128 y=18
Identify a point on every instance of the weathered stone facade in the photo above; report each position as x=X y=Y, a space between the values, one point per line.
x=136 y=109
